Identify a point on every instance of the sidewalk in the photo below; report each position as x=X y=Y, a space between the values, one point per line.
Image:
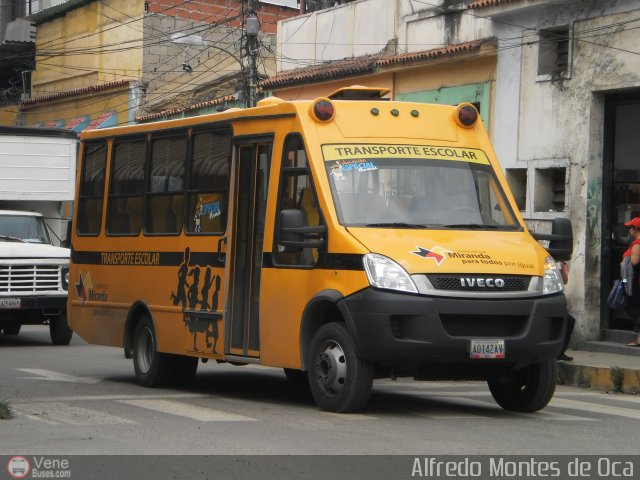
x=603 y=371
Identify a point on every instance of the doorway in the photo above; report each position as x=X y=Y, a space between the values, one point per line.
x=250 y=190
x=620 y=194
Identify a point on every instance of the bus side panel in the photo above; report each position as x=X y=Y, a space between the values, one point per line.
x=284 y=294
x=96 y=323
x=181 y=289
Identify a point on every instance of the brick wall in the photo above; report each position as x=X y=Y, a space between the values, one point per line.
x=216 y=11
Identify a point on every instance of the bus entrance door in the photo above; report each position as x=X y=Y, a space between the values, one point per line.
x=250 y=199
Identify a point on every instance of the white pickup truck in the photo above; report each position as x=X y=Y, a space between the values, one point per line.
x=34 y=276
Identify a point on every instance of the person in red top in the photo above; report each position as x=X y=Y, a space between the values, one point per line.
x=633 y=310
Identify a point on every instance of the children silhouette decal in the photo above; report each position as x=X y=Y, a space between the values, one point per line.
x=196 y=302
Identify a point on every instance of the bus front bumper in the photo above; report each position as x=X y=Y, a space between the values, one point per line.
x=420 y=334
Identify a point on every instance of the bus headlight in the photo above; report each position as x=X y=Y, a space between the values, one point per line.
x=383 y=272
x=552 y=282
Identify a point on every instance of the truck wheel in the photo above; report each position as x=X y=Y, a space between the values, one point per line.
x=527 y=390
x=59 y=330
x=12 y=329
x=339 y=380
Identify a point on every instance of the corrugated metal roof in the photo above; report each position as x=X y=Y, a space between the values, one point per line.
x=75 y=92
x=55 y=11
x=362 y=65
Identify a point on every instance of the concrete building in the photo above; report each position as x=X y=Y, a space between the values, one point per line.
x=104 y=63
x=557 y=83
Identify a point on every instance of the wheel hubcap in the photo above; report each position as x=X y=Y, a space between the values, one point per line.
x=144 y=349
x=331 y=368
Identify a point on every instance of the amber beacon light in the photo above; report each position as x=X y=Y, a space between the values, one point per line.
x=466 y=115
x=322 y=109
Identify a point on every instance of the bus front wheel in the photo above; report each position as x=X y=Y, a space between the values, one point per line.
x=339 y=380
x=526 y=390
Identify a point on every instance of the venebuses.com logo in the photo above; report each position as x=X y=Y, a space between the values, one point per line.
x=38 y=467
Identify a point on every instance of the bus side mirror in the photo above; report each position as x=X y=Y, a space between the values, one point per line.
x=294 y=235
x=560 y=240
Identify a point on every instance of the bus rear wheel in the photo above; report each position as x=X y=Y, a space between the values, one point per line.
x=59 y=330
x=339 y=380
x=527 y=390
x=154 y=368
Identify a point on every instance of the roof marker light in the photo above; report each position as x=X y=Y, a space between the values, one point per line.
x=466 y=115
x=322 y=109
x=395 y=112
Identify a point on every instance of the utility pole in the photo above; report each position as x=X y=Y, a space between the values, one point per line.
x=252 y=29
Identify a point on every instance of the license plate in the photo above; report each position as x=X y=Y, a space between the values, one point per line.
x=487 y=349
x=9 y=303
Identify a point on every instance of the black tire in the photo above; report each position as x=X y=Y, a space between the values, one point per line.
x=13 y=329
x=296 y=377
x=59 y=330
x=156 y=369
x=527 y=390
x=339 y=380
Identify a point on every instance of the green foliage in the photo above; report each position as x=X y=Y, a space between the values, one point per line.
x=5 y=410
x=617 y=378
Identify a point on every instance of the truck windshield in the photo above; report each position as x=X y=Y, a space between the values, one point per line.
x=418 y=193
x=23 y=227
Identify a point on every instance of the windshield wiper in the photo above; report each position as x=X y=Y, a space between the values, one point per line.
x=11 y=239
x=478 y=226
x=396 y=225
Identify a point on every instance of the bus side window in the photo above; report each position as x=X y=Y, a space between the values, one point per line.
x=296 y=192
x=166 y=185
x=126 y=189
x=208 y=189
x=89 y=216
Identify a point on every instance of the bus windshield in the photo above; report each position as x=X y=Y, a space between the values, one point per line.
x=26 y=228
x=418 y=193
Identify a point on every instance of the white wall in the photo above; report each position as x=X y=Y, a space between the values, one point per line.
x=350 y=30
x=37 y=168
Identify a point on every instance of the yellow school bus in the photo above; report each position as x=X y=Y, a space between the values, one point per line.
x=342 y=239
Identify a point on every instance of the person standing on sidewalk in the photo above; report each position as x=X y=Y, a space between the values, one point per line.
x=633 y=252
x=571 y=322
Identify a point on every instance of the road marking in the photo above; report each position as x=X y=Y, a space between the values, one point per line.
x=79 y=398
x=596 y=408
x=55 y=413
x=462 y=399
x=52 y=376
x=182 y=409
x=349 y=416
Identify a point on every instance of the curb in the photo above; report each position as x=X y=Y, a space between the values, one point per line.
x=612 y=379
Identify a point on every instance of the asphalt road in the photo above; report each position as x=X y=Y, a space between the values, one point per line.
x=83 y=399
